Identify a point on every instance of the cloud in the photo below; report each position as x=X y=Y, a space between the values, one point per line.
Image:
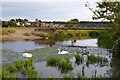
x=46 y=10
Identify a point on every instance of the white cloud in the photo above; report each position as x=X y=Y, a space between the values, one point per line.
x=47 y=10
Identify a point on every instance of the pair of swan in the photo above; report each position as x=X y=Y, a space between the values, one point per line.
x=62 y=52
x=27 y=55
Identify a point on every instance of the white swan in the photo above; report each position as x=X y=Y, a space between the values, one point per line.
x=27 y=55
x=62 y=52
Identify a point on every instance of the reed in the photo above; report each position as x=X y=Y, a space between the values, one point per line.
x=53 y=61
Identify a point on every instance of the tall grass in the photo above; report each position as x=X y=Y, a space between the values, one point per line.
x=63 y=64
x=53 y=61
x=7 y=31
x=79 y=59
x=25 y=67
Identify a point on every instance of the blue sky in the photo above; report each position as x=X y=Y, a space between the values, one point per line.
x=47 y=10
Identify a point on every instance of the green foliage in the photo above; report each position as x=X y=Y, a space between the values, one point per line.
x=93 y=34
x=27 y=34
x=12 y=68
x=105 y=40
x=73 y=21
x=79 y=59
x=33 y=74
x=25 y=67
x=116 y=48
x=61 y=36
x=5 y=74
x=95 y=59
x=18 y=65
x=65 y=65
x=53 y=61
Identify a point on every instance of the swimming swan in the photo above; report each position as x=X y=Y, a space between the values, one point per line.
x=62 y=52
x=27 y=55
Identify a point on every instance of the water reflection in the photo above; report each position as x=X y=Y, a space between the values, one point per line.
x=19 y=46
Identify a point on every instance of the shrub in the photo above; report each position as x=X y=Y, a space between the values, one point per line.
x=5 y=32
x=27 y=34
x=53 y=61
x=93 y=34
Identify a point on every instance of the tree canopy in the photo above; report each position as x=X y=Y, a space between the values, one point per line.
x=73 y=21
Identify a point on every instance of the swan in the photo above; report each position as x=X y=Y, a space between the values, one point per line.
x=62 y=52
x=27 y=55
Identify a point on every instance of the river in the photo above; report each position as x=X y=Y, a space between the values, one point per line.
x=12 y=50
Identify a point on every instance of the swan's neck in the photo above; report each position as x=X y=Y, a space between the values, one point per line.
x=59 y=51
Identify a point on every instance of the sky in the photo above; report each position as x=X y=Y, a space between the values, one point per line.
x=47 y=10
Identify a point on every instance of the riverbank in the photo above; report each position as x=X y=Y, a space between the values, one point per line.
x=20 y=34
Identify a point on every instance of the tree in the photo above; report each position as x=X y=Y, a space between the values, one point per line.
x=25 y=20
x=108 y=10
x=73 y=21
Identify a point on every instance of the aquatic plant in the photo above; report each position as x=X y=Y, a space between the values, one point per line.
x=18 y=65
x=96 y=59
x=12 y=68
x=53 y=61
x=78 y=58
x=5 y=74
x=32 y=74
x=65 y=65
x=15 y=76
x=79 y=76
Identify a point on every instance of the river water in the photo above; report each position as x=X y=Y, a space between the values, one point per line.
x=12 y=50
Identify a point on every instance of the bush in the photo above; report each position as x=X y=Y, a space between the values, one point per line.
x=5 y=32
x=27 y=34
x=93 y=34
x=65 y=65
x=53 y=61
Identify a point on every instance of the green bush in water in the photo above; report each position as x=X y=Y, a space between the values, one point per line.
x=65 y=65
x=53 y=61
x=78 y=58
x=18 y=65
x=96 y=59
x=12 y=68
x=5 y=74
x=15 y=76
x=32 y=74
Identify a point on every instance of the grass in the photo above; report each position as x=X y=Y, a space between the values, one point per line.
x=7 y=31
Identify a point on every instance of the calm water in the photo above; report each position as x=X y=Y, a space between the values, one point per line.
x=13 y=49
